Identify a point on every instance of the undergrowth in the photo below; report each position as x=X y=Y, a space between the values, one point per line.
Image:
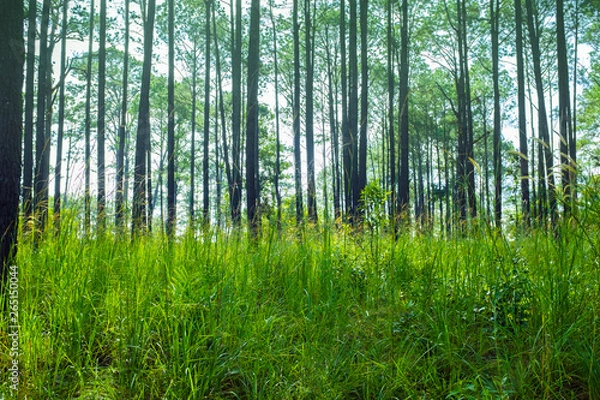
x=322 y=313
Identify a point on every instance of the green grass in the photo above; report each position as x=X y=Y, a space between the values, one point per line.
x=320 y=314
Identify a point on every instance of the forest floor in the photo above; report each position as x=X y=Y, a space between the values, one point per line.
x=323 y=313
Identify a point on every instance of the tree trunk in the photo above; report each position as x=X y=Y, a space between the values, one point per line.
x=277 y=129
x=252 y=128
x=42 y=142
x=236 y=83
x=171 y=199
x=206 y=141
x=310 y=141
x=403 y=178
x=120 y=198
x=296 y=118
x=564 y=109
x=142 y=181
x=88 y=125
x=11 y=119
x=523 y=159
x=364 y=101
x=101 y=196
x=353 y=111
x=61 y=118
x=497 y=137
x=29 y=105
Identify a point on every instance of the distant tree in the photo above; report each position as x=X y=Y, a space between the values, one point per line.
x=497 y=137
x=310 y=140
x=88 y=124
x=206 y=138
x=296 y=117
x=11 y=119
x=101 y=134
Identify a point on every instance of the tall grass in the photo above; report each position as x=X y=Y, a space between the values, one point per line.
x=317 y=313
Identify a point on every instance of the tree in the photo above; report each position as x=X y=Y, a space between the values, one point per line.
x=523 y=159
x=364 y=100
x=206 y=141
x=403 y=176
x=497 y=137
x=42 y=141
x=310 y=141
x=100 y=145
x=236 y=92
x=252 y=129
x=142 y=183
x=564 y=110
x=11 y=118
x=119 y=197
x=296 y=117
x=171 y=203
x=29 y=105
x=61 y=117
x=88 y=123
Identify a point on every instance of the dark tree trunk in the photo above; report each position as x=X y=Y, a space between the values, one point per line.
x=310 y=141
x=564 y=109
x=193 y=138
x=364 y=101
x=346 y=138
x=11 y=119
x=391 y=120
x=61 y=117
x=42 y=142
x=142 y=180
x=88 y=125
x=497 y=137
x=101 y=196
x=277 y=128
x=403 y=178
x=206 y=141
x=353 y=110
x=252 y=128
x=334 y=133
x=29 y=105
x=236 y=77
x=296 y=118
x=120 y=198
x=546 y=164
x=523 y=159
x=171 y=200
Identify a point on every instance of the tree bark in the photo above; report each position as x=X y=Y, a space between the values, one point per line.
x=171 y=199
x=120 y=198
x=252 y=128
x=11 y=119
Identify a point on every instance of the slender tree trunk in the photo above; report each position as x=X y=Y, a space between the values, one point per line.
x=142 y=191
x=171 y=190
x=100 y=145
x=88 y=125
x=497 y=137
x=236 y=76
x=333 y=129
x=403 y=178
x=391 y=120
x=61 y=118
x=29 y=105
x=120 y=198
x=564 y=108
x=206 y=141
x=42 y=143
x=524 y=156
x=353 y=110
x=277 y=129
x=296 y=118
x=11 y=119
x=310 y=141
x=364 y=101
x=546 y=170
x=252 y=127
x=193 y=139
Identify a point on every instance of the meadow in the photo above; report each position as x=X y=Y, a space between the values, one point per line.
x=319 y=313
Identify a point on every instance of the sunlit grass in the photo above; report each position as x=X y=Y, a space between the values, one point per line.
x=318 y=313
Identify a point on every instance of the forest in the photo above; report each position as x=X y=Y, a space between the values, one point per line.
x=300 y=199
